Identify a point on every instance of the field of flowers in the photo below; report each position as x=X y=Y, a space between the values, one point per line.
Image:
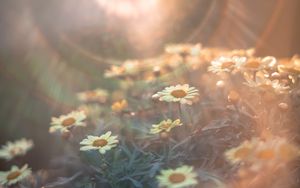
x=192 y=117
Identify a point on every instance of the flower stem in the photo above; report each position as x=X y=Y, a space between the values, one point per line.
x=254 y=76
x=180 y=115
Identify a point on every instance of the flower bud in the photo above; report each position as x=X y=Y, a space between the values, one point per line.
x=156 y=71
x=164 y=135
x=283 y=106
x=220 y=84
x=233 y=97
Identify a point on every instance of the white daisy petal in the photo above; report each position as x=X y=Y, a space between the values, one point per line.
x=14 y=175
x=17 y=148
x=177 y=178
x=65 y=122
x=183 y=94
x=103 y=143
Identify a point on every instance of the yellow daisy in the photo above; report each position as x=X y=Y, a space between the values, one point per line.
x=98 y=95
x=14 y=175
x=102 y=143
x=183 y=94
x=183 y=176
x=165 y=126
x=17 y=148
x=65 y=122
x=119 y=106
x=225 y=64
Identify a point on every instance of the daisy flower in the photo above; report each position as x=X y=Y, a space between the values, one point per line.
x=119 y=106
x=183 y=94
x=257 y=64
x=266 y=155
x=265 y=84
x=17 y=148
x=259 y=154
x=225 y=64
x=114 y=71
x=165 y=126
x=65 y=122
x=291 y=68
x=241 y=153
x=99 y=95
x=14 y=175
x=254 y=64
x=183 y=176
x=131 y=67
x=277 y=150
x=102 y=143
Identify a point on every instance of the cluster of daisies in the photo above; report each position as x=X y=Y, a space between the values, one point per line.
x=266 y=74
x=260 y=73
x=185 y=56
x=9 y=152
x=260 y=154
x=268 y=81
x=183 y=176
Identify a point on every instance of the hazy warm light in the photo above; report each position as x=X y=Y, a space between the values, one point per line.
x=127 y=8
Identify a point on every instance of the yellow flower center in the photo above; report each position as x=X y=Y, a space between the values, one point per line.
x=165 y=125
x=176 y=178
x=179 y=93
x=69 y=121
x=252 y=64
x=227 y=64
x=100 y=143
x=242 y=153
x=13 y=175
x=266 y=154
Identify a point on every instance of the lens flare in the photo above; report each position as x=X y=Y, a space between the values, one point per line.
x=127 y=8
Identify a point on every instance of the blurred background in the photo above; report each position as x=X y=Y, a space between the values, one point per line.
x=50 y=50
